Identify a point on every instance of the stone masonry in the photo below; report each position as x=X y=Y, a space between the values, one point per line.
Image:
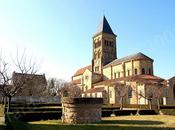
x=81 y=110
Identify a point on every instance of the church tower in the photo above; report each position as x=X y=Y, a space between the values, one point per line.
x=104 y=46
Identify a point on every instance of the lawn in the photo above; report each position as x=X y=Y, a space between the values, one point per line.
x=155 y=122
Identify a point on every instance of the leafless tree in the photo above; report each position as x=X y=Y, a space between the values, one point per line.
x=152 y=92
x=121 y=93
x=158 y=91
x=54 y=86
x=147 y=94
x=70 y=90
x=23 y=66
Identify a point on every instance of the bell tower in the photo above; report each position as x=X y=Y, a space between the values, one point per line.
x=104 y=46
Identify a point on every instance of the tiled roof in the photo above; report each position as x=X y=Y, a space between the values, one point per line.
x=82 y=70
x=104 y=27
x=139 y=78
x=92 y=90
x=128 y=58
x=78 y=81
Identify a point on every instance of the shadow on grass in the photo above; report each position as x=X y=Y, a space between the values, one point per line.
x=104 y=125
x=135 y=122
x=90 y=127
x=2 y=127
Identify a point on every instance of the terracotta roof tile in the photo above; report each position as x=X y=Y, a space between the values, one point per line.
x=82 y=70
x=141 y=78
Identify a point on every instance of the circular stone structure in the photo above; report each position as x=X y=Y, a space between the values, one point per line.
x=81 y=110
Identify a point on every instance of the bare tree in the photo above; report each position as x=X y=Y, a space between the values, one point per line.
x=152 y=92
x=24 y=66
x=70 y=90
x=121 y=92
x=158 y=93
x=54 y=86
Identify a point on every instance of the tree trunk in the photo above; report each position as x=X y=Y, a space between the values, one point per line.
x=158 y=104
x=121 y=103
x=9 y=101
x=150 y=104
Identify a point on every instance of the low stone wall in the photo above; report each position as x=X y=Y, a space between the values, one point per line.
x=81 y=110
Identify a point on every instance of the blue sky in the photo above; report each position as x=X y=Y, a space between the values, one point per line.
x=59 y=32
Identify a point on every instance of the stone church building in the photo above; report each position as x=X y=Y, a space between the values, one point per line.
x=131 y=77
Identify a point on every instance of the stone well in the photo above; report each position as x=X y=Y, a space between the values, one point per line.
x=81 y=110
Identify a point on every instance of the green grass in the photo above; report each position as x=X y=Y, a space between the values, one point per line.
x=156 y=122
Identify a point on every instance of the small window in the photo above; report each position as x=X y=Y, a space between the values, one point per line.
x=99 y=53
x=150 y=71
x=115 y=75
x=129 y=92
x=118 y=74
x=135 y=71
x=143 y=71
x=86 y=77
x=97 y=68
x=128 y=72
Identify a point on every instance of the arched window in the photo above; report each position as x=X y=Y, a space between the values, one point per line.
x=174 y=91
x=150 y=71
x=143 y=71
x=99 y=53
x=129 y=92
x=135 y=71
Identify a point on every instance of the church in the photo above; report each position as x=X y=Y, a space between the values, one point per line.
x=130 y=78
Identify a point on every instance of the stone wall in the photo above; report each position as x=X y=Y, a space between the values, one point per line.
x=81 y=110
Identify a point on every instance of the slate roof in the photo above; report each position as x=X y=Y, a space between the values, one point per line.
x=104 y=27
x=128 y=58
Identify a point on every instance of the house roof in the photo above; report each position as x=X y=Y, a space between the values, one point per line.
x=35 y=78
x=82 y=70
x=93 y=90
x=149 y=79
x=128 y=58
x=104 y=27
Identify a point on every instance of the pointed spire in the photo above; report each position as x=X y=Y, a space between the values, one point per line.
x=104 y=27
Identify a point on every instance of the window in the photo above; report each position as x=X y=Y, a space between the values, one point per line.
x=86 y=77
x=97 y=44
x=97 y=68
x=143 y=71
x=135 y=71
x=99 y=53
x=150 y=71
x=129 y=92
x=118 y=74
x=128 y=72
x=115 y=75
